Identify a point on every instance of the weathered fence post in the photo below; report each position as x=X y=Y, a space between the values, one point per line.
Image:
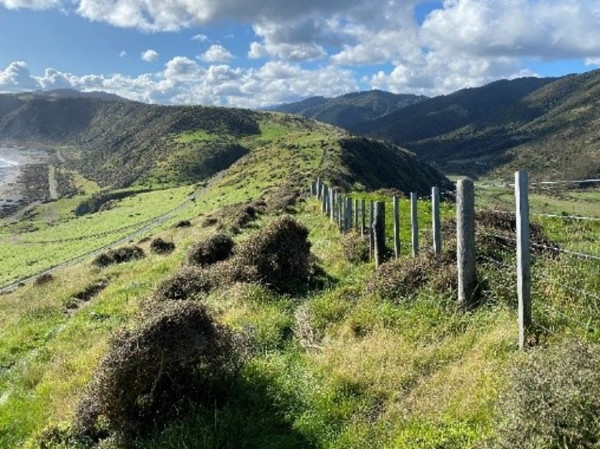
x=341 y=210
x=465 y=238
x=379 y=233
x=363 y=213
x=318 y=188
x=371 y=231
x=325 y=199
x=349 y=214
x=523 y=255
x=355 y=226
x=435 y=220
x=414 y=219
x=396 y=227
x=332 y=209
x=313 y=188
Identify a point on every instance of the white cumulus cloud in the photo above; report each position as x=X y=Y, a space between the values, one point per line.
x=216 y=53
x=149 y=55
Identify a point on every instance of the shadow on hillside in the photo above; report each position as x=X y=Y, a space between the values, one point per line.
x=253 y=417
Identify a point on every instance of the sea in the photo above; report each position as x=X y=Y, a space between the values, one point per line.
x=7 y=163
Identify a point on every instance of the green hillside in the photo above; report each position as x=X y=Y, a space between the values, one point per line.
x=227 y=311
x=350 y=110
x=544 y=124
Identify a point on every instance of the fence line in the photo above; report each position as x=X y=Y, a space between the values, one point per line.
x=467 y=257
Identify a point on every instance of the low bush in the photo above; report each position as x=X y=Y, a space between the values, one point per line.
x=398 y=279
x=184 y=284
x=160 y=246
x=280 y=254
x=176 y=356
x=552 y=400
x=183 y=224
x=214 y=249
x=43 y=279
x=119 y=255
x=355 y=247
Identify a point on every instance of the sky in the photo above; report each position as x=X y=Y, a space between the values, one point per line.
x=256 y=53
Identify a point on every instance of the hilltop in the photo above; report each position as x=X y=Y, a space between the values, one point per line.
x=119 y=144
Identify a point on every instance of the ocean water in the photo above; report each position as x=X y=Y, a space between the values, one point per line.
x=7 y=163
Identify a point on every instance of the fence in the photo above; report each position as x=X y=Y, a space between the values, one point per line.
x=348 y=215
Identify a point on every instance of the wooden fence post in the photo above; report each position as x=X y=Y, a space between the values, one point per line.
x=523 y=256
x=363 y=213
x=355 y=226
x=318 y=188
x=379 y=233
x=414 y=219
x=341 y=216
x=465 y=237
x=371 y=231
x=436 y=221
x=396 y=227
x=325 y=199
x=333 y=200
x=349 y=215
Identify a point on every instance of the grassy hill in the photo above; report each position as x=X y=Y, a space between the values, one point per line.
x=289 y=340
x=348 y=111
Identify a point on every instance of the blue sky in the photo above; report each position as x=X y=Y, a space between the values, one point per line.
x=253 y=53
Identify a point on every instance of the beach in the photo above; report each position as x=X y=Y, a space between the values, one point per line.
x=12 y=163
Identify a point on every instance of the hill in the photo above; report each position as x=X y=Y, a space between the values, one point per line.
x=118 y=144
x=546 y=125
x=238 y=315
x=351 y=109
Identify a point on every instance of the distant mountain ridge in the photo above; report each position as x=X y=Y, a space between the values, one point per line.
x=349 y=110
x=547 y=125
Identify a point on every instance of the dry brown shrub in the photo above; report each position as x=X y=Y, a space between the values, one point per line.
x=355 y=247
x=214 y=249
x=43 y=279
x=119 y=255
x=160 y=246
x=178 y=354
x=189 y=281
x=280 y=253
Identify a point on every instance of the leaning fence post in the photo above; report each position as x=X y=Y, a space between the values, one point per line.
x=465 y=237
x=414 y=219
x=379 y=232
x=396 y=227
x=523 y=255
x=435 y=220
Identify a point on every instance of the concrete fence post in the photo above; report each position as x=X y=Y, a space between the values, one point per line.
x=436 y=226
x=414 y=219
x=465 y=237
x=379 y=233
x=396 y=227
x=523 y=256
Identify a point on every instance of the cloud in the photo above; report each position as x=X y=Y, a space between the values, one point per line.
x=216 y=53
x=122 y=54
x=184 y=81
x=200 y=37
x=30 y=4
x=16 y=78
x=149 y=55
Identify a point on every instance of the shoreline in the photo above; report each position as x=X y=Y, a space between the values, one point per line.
x=12 y=187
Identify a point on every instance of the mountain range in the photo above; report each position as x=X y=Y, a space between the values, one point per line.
x=545 y=125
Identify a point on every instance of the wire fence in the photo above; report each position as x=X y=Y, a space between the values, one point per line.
x=580 y=282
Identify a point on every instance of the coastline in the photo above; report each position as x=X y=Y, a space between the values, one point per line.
x=12 y=188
